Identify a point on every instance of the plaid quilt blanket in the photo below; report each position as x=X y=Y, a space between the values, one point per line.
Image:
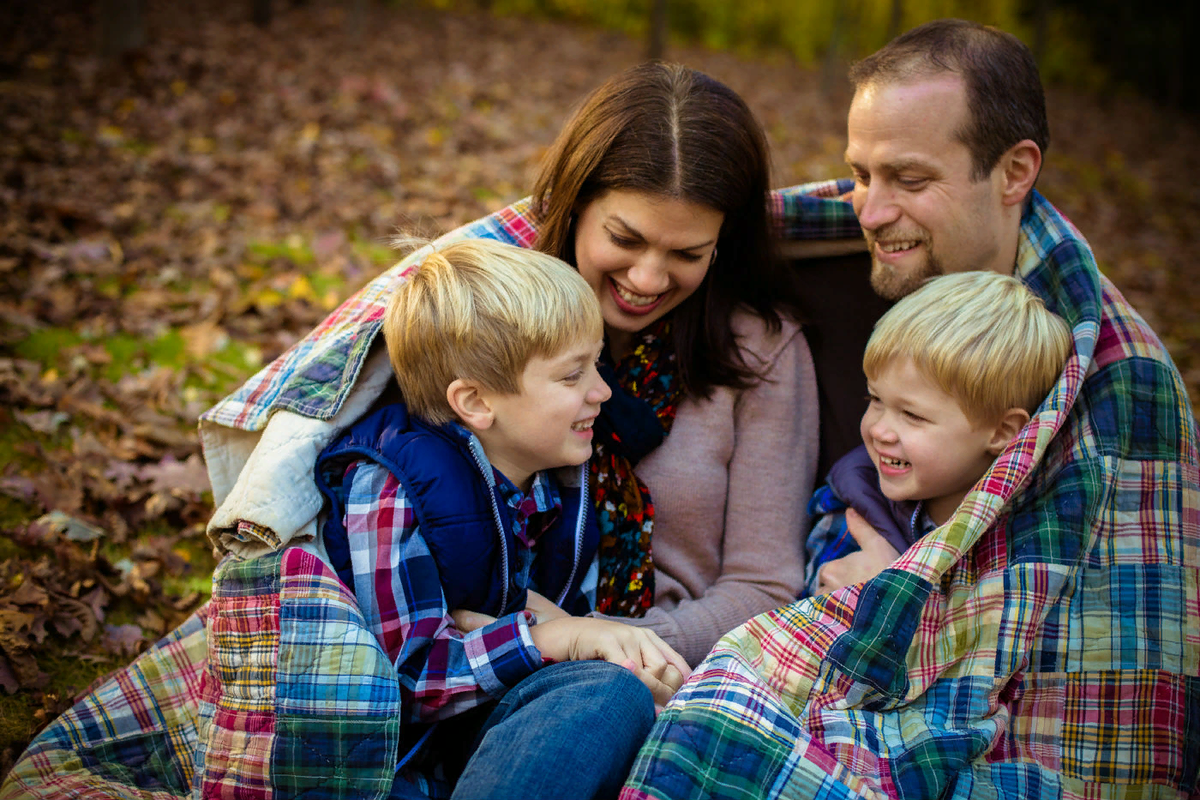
x=276 y=687
x=1043 y=643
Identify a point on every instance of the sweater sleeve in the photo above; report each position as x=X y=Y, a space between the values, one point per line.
x=756 y=450
x=442 y=671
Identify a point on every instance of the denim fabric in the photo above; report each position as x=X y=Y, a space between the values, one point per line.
x=569 y=730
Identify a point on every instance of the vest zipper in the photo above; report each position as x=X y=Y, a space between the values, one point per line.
x=490 y=480
x=579 y=526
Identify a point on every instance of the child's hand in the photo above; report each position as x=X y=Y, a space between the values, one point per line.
x=467 y=621
x=543 y=607
x=874 y=556
x=654 y=662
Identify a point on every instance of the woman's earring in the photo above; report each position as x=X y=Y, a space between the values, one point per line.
x=713 y=260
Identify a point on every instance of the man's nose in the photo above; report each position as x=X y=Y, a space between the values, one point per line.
x=875 y=206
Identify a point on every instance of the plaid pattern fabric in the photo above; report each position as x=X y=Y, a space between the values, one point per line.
x=314 y=376
x=298 y=697
x=1045 y=642
x=442 y=672
x=131 y=737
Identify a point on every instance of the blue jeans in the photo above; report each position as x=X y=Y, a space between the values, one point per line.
x=570 y=730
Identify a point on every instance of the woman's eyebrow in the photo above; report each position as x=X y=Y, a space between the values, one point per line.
x=634 y=232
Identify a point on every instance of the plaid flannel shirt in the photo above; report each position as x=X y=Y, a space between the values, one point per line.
x=442 y=671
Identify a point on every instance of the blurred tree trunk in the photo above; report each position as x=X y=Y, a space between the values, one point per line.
x=658 y=30
x=122 y=27
x=896 y=20
x=833 y=66
x=260 y=12
x=1041 y=29
x=356 y=20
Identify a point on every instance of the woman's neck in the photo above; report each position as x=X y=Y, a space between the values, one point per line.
x=619 y=343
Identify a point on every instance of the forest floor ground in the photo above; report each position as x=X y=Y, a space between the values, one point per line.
x=172 y=221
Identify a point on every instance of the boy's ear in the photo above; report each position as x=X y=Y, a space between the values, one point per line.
x=1009 y=426
x=469 y=402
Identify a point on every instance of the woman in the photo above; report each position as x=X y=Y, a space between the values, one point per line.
x=655 y=191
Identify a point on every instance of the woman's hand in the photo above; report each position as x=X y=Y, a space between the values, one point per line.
x=874 y=556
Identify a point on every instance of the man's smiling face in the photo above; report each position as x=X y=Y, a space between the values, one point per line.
x=921 y=210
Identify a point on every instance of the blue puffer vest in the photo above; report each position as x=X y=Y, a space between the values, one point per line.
x=462 y=516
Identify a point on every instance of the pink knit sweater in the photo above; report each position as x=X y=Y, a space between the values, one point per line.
x=730 y=486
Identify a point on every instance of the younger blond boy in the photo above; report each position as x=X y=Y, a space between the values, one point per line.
x=954 y=371
x=447 y=502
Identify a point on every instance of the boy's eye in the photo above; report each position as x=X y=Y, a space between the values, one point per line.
x=914 y=417
x=574 y=377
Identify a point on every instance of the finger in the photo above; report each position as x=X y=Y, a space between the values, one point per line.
x=467 y=621
x=659 y=690
x=672 y=677
x=860 y=529
x=670 y=655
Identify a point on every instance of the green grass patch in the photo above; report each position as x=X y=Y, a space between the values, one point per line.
x=45 y=344
x=297 y=252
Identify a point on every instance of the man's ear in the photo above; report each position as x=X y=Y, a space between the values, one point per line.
x=468 y=400
x=1009 y=426
x=1021 y=165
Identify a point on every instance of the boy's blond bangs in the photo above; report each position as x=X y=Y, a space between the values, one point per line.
x=984 y=338
x=480 y=310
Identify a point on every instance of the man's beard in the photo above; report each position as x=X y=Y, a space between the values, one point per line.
x=892 y=284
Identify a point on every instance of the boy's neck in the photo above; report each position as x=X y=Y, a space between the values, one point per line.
x=941 y=509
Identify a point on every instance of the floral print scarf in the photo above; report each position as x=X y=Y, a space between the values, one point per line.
x=646 y=390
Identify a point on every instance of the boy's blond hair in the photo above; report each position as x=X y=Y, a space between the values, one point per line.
x=983 y=338
x=480 y=310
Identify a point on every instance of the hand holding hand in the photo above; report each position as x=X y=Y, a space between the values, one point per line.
x=875 y=554
x=654 y=662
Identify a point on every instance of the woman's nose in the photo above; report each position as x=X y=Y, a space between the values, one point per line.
x=648 y=275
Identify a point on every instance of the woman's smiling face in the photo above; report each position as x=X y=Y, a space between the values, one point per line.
x=643 y=255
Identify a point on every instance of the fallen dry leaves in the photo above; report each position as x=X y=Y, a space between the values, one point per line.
x=171 y=222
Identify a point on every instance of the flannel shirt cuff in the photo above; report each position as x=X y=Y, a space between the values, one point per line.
x=502 y=654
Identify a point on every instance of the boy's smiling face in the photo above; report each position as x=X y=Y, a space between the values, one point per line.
x=548 y=423
x=922 y=444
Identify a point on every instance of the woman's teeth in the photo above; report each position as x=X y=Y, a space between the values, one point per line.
x=583 y=426
x=635 y=299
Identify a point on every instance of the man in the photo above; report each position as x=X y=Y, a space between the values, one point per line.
x=1045 y=642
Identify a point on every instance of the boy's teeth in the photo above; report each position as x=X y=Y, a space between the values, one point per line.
x=894 y=462
x=583 y=426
